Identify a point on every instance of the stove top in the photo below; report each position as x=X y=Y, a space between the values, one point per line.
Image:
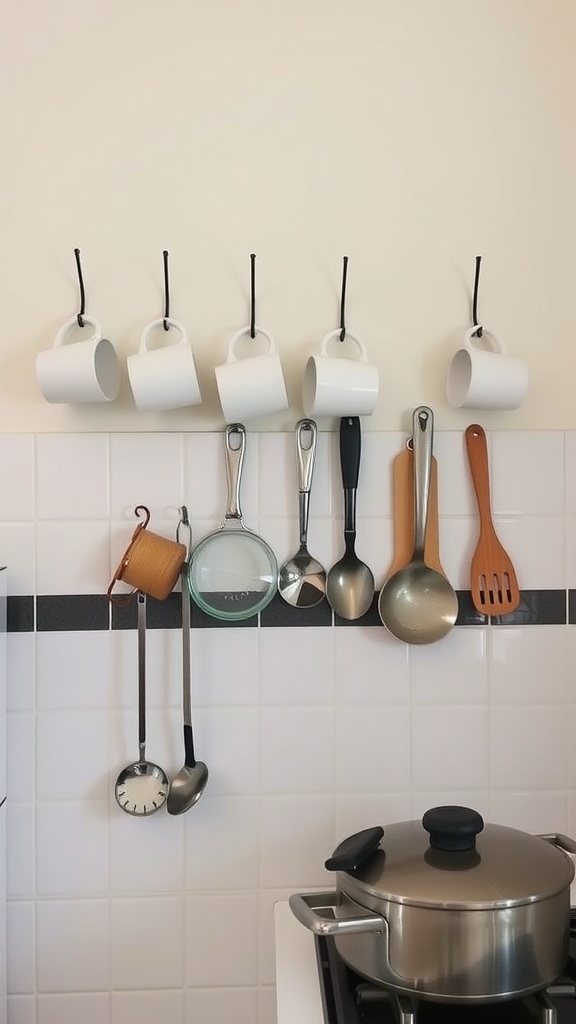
x=315 y=986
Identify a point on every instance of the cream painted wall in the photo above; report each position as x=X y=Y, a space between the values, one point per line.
x=410 y=135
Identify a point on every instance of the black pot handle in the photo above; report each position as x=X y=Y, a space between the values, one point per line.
x=354 y=851
x=453 y=828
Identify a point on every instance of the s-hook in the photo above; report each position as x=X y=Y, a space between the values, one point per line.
x=252 y=295
x=478 y=332
x=82 y=293
x=184 y=523
x=166 y=292
x=343 y=298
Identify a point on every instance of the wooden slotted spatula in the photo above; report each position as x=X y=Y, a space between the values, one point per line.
x=493 y=584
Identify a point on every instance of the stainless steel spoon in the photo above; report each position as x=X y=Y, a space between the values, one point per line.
x=418 y=604
x=302 y=579
x=350 y=583
x=188 y=785
x=141 y=787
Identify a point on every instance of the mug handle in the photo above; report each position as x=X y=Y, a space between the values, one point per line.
x=363 y=358
x=494 y=342
x=59 y=339
x=183 y=340
x=247 y=330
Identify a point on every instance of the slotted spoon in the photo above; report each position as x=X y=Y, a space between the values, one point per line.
x=493 y=584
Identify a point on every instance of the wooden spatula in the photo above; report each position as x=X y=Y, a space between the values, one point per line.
x=493 y=583
x=403 y=504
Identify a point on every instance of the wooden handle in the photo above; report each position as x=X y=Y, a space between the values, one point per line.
x=403 y=503
x=478 y=459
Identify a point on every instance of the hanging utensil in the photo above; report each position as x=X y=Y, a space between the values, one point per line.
x=141 y=787
x=403 y=504
x=188 y=785
x=302 y=579
x=350 y=583
x=417 y=604
x=493 y=584
x=233 y=573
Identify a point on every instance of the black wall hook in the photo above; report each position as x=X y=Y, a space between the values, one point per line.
x=478 y=332
x=252 y=295
x=82 y=293
x=343 y=298
x=166 y=325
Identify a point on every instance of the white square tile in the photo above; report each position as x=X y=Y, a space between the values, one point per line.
x=22 y=1009
x=222 y=843
x=20 y=851
x=71 y=755
x=213 y=926
x=73 y=669
x=449 y=747
x=457 y=541
x=529 y=810
x=224 y=666
x=20 y=767
x=229 y=746
x=373 y=745
x=278 y=476
x=72 y=848
x=527 y=472
x=66 y=964
x=296 y=832
x=21 y=946
x=18 y=553
x=530 y=665
x=527 y=747
x=214 y=1005
x=69 y=1008
x=311 y=681
x=453 y=671
x=73 y=557
x=146 y=469
x=163 y=653
x=205 y=475
x=379 y=449
x=146 y=1007
x=72 y=476
x=17 y=466
x=137 y=867
x=570 y=577
x=147 y=965
x=20 y=671
x=371 y=667
x=455 y=490
x=296 y=750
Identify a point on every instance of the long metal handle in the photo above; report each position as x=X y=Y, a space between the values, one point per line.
x=306 y=434
x=141 y=602
x=306 y=907
x=422 y=431
x=235 y=446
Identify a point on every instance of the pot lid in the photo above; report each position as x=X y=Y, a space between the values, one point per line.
x=451 y=859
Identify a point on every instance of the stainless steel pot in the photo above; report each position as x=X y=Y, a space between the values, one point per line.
x=448 y=908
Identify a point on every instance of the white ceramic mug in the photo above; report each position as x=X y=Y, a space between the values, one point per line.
x=163 y=378
x=86 y=370
x=485 y=378
x=336 y=386
x=251 y=386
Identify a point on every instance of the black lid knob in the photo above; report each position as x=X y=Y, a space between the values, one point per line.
x=452 y=827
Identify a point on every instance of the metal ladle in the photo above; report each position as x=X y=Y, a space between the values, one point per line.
x=350 y=583
x=302 y=579
x=188 y=785
x=417 y=604
x=141 y=787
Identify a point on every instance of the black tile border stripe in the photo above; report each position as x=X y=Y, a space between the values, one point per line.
x=73 y=612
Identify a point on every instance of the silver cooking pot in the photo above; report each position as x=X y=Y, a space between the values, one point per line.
x=448 y=908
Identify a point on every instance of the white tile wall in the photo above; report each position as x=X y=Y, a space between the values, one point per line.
x=309 y=733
